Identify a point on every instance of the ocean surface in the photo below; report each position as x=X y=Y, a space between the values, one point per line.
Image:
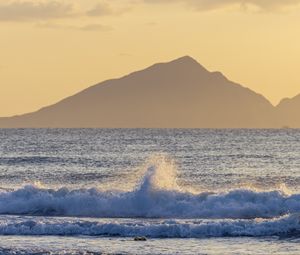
x=92 y=191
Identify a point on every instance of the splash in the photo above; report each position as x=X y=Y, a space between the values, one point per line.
x=160 y=174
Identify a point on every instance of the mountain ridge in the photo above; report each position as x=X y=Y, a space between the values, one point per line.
x=176 y=94
x=288 y=110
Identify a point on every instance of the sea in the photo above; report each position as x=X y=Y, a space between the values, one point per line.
x=178 y=191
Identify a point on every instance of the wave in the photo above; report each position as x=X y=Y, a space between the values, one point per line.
x=41 y=251
x=157 y=195
x=236 y=204
x=13 y=251
x=287 y=226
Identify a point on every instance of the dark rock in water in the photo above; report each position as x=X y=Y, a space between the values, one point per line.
x=140 y=238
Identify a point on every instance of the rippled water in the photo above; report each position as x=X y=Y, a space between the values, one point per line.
x=187 y=191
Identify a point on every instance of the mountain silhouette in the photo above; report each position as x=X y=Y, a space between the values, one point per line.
x=288 y=110
x=177 y=94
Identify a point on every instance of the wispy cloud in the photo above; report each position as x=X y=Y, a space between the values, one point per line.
x=40 y=10
x=34 y=10
x=101 y=9
x=96 y=27
x=87 y=28
x=261 y=5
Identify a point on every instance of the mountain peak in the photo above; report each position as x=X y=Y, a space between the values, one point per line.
x=182 y=65
x=185 y=63
x=185 y=60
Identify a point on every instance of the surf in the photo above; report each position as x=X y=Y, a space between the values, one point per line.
x=155 y=195
x=286 y=226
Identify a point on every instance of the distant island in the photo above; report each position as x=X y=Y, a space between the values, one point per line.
x=177 y=94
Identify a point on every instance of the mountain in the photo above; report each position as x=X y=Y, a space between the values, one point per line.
x=289 y=112
x=177 y=94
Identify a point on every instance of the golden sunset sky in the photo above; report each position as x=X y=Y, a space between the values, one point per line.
x=53 y=49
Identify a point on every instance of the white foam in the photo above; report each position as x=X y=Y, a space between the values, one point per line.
x=285 y=226
x=157 y=195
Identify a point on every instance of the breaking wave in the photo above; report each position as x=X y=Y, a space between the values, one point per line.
x=156 y=196
x=287 y=226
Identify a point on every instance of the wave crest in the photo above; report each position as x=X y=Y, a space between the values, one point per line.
x=288 y=226
x=156 y=196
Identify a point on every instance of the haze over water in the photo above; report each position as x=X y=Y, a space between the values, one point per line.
x=214 y=188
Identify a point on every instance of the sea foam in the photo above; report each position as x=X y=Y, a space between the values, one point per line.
x=287 y=226
x=157 y=195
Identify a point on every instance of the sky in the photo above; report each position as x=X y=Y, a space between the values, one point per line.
x=51 y=49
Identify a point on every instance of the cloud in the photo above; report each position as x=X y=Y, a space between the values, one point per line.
x=87 y=28
x=151 y=23
x=38 y=10
x=261 y=5
x=34 y=10
x=101 y=9
x=95 y=27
